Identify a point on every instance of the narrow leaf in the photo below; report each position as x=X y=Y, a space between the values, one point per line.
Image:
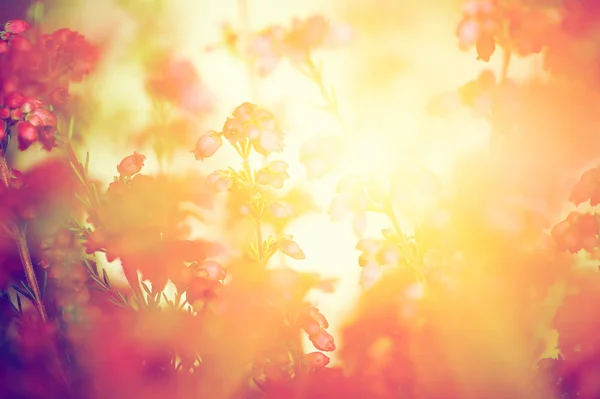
x=44 y=283
x=87 y=163
x=26 y=287
x=105 y=278
x=25 y=294
x=145 y=287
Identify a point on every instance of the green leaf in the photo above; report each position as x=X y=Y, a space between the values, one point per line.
x=71 y=127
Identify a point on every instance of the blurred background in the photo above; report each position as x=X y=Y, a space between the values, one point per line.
x=402 y=58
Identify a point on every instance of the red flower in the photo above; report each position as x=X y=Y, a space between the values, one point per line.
x=316 y=360
x=586 y=188
x=132 y=164
x=323 y=341
x=16 y=26
x=14 y=100
x=20 y=43
x=27 y=135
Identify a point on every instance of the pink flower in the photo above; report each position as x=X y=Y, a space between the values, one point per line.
x=316 y=360
x=290 y=248
x=273 y=174
x=27 y=134
x=132 y=164
x=16 y=26
x=219 y=180
x=323 y=341
x=207 y=145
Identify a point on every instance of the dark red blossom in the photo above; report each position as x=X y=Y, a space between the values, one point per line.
x=578 y=231
x=141 y=221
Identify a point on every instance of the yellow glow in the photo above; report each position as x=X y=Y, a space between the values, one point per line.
x=396 y=133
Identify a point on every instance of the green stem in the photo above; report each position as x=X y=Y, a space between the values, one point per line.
x=404 y=244
x=255 y=217
x=317 y=76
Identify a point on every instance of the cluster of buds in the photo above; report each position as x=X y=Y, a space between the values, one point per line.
x=482 y=20
x=11 y=36
x=483 y=26
x=269 y=46
x=43 y=68
x=274 y=174
x=249 y=127
x=32 y=121
x=315 y=325
x=578 y=231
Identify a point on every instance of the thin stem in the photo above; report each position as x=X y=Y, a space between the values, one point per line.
x=30 y=273
x=404 y=245
x=4 y=170
x=255 y=217
x=332 y=105
x=19 y=234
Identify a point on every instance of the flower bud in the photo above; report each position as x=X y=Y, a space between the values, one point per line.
x=14 y=100
x=47 y=117
x=316 y=360
x=20 y=43
x=132 y=164
x=219 y=180
x=291 y=249
x=16 y=26
x=16 y=114
x=207 y=145
x=323 y=341
x=213 y=270
x=27 y=135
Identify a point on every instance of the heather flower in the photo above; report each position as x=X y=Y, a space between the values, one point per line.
x=316 y=360
x=290 y=248
x=207 y=145
x=16 y=26
x=131 y=164
x=26 y=134
x=273 y=174
x=219 y=180
x=213 y=270
x=323 y=341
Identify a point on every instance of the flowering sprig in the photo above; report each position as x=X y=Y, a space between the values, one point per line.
x=30 y=119
x=266 y=48
x=44 y=68
x=252 y=128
